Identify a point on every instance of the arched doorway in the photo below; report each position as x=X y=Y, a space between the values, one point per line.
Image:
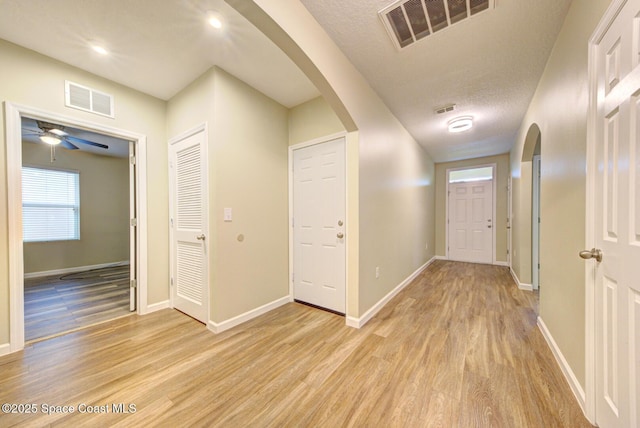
x=531 y=155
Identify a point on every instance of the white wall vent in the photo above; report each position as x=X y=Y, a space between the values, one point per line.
x=408 y=21
x=83 y=98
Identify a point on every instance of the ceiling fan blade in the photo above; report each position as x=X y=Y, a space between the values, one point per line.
x=67 y=145
x=32 y=131
x=91 y=143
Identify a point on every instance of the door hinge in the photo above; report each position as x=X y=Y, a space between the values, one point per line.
x=171 y=222
x=293 y=222
x=293 y=277
x=171 y=281
x=132 y=159
x=134 y=283
x=134 y=222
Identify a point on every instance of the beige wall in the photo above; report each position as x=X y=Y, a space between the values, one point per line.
x=248 y=155
x=311 y=120
x=33 y=80
x=502 y=178
x=559 y=108
x=104 y=211
x=395 y=175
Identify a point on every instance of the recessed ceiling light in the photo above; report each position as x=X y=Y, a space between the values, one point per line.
x=214 y=19
x=101 y=50
x=460 y=124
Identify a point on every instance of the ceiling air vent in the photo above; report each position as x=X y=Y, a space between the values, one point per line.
x=408 y=21
x=87 y=99
x=445 y=109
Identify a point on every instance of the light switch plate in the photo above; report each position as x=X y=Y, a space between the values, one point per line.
x=228 y=214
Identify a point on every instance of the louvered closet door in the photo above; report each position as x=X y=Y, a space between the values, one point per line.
x=189 y=266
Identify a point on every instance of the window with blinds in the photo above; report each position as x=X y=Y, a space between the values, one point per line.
x=50 y=205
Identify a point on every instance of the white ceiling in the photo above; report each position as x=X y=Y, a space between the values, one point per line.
x=488 y=65
x=157 y=46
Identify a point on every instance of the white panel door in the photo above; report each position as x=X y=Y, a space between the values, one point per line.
x=471 y=221
x=318 y=225
x=617 y=218
x=189 y=219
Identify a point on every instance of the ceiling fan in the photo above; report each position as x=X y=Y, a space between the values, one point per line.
x=53 y=134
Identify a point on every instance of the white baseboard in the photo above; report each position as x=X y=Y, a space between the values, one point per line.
x=5 y=349
x=157 y=306
x=74 y=269
x=232 y=322
x=506 y=264
x=439 y=258
x=576 y=388
x=521 y=285
x=359 y=322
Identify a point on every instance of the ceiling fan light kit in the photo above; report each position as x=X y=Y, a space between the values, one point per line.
x=460 y=124
x=50 y=138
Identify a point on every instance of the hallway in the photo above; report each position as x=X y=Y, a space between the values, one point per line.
x=459 y=347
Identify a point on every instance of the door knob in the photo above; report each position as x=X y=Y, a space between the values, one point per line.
x=200 y=238
x=340 y=235
x=593 y=253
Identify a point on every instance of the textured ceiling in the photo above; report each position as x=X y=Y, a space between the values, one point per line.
x=488 y=65
x=157 y=46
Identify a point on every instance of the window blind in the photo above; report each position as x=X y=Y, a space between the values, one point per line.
x=50 y=205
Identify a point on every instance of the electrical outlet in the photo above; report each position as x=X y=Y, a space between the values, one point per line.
x=426 y=246
x=377 y=272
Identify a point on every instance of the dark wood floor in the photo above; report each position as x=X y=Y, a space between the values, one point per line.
x=60 y=303
x=459 y=347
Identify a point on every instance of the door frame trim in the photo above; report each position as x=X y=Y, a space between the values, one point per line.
x=493 y=208
x=536 y=181
x=13 y=128
x=590 y=225
x=313 y=142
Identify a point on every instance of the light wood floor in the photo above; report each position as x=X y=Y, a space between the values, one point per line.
x=59 y=303
x=457 y=348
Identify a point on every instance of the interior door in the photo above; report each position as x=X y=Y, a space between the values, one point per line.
x=189 y=221
x=471 y=221
x=133 y=258
x=617 y=220
x=318 y=225
x=535 y=223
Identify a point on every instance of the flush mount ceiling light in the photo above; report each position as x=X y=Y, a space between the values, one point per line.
x=214 y=19
x=460 y=124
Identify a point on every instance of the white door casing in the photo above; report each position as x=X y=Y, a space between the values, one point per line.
x=470 y=223
x=133 y=225
x=319 y=264
x=535 y=222
x=614 y=178
x=188 y=174
x=13 y=124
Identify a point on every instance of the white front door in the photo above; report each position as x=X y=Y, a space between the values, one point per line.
x=617 y=221
x=189 y=220
x=318 y=225
x=471 y=221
